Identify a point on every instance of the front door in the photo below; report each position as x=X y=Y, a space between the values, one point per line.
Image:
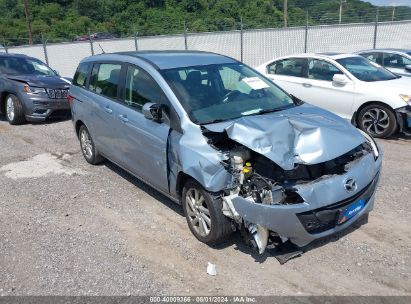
x=320 y=90
x=143 y=142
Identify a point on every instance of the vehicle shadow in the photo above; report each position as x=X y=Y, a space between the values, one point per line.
x=272 y=251
x=50 y=121
x=237 y=239
x=398 y=137
x=47 y=122
x=146 y=188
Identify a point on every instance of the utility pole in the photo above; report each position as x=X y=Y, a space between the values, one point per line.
x=341 y=7
x=27 y=12
x=285 y=13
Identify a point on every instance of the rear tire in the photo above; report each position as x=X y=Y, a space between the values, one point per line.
x=88 y=148
x=204 y=214
x=14 y=110
x=377 y=120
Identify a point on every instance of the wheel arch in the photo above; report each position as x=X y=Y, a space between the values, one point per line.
x=182 y=178
x=78 y=124
x=354 y=118
x=3 y=96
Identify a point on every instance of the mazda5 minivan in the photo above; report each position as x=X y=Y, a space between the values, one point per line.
x=234 y=149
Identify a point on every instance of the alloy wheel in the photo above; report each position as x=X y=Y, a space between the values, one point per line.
x=86 y=144
x=10 y=109
x=198 y=212
x=376 y=121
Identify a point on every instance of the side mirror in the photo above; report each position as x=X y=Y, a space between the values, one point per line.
x=408 y=68
x=340 y=79
x=153 y=111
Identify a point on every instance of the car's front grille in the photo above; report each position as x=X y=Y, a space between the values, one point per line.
x=57 y=93
x=325 y=218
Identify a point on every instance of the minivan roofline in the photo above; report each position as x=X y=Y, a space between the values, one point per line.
x=160 y=59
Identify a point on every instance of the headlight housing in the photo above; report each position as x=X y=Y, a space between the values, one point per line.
x=373 y=144
x=406 y=98
x=33 y=90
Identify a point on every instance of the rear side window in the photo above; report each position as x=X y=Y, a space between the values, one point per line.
x=395 y=61
x=290 y=67
x=105 y=79
x=376 y=57
x=80 y=77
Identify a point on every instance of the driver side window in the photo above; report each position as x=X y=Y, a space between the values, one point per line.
x=141 y=88
x=322 y=70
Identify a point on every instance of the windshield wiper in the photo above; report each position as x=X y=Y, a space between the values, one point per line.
x=213 y=121
x=270 y=110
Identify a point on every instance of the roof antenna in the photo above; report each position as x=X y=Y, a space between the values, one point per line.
x=101 y=48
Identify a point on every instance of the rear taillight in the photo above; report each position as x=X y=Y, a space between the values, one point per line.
x=70 y=99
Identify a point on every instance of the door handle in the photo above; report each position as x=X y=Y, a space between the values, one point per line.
x=307 y=85
x=108 y=110
x=123 y=118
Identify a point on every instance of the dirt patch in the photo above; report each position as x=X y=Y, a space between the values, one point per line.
x=39 y=166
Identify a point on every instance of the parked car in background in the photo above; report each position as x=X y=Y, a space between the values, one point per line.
x=103 y=35
x=30 y=90
x=82 y=38
x=236 y=150
x=397 y=61
x=368 y=95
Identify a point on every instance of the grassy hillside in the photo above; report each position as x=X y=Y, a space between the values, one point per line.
x=65 y=19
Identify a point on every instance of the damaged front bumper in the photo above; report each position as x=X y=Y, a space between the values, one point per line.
x=404 y=119
x=324 y=200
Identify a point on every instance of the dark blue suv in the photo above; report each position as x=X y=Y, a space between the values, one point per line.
x=30 y=90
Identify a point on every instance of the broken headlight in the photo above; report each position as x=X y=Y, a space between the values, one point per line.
x=372 y=143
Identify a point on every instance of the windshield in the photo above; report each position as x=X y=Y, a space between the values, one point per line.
x=366 y=70
x=222 y=92
x=24 y=66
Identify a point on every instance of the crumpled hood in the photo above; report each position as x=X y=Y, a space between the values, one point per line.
x=56 y=82
x=300 y=135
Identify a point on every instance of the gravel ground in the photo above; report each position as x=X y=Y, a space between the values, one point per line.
x=68 y=228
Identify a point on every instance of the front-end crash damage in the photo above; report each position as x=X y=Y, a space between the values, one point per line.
x=281 y=176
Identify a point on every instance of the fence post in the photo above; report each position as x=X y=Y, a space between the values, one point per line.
x=306 y=34
x=46 y=57
x=376 y=28
x=135 y=40
x=185 y=36
x=5 y=45
x=91 y=43
x=241 y=39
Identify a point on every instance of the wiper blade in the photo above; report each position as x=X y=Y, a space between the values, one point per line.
x=269 y=111
x=213 y=121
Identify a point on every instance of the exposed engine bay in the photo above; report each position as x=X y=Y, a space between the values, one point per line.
x=261 y=181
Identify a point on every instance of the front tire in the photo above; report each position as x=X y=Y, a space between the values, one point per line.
x=377 y=120
x=14 y=110
x=204 y=214
x=88 y=148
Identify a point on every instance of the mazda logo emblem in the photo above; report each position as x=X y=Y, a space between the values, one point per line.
x=350 y=185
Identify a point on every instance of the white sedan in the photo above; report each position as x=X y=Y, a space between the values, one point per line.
x=371 y=97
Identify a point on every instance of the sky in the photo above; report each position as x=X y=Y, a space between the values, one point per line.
x=390 y=2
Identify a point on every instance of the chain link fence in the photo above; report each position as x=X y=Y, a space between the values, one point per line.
x=253 y=47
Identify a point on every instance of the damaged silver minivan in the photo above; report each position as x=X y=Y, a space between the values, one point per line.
x=234 y=149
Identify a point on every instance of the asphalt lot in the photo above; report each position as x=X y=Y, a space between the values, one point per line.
x=68 y=228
